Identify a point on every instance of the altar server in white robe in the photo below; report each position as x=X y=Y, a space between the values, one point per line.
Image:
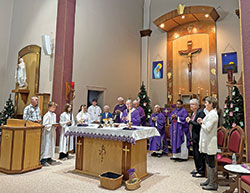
x=83 y=116
x=49 y=135
x=94 y=111
x=66 y=143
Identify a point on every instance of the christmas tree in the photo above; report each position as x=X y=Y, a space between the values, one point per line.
x=144 y=101
x=8 y=111
x=234 y=110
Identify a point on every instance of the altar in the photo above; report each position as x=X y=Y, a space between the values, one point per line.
x=111 y=149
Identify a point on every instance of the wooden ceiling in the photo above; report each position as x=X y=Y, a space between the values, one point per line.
x=191 y=14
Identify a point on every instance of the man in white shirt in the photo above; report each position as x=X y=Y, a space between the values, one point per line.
x=94 y=112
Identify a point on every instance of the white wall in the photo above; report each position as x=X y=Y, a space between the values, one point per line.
x=228 y=31
x=30 y=20
x=6 y=7
x=107 y=48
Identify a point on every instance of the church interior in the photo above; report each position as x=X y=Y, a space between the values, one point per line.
x=68 y=57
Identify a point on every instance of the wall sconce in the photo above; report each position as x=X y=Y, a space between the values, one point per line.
x=237 y=12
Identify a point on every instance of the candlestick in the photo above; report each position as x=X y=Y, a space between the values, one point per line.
x=198 y=90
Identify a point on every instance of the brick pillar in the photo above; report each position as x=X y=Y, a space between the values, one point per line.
x=63 y=66
x=245 y=30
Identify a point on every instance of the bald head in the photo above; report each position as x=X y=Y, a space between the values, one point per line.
x=34 y=101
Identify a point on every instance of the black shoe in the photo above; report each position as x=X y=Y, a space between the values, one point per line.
x=45 y=163
x=173 y=158
x=198 y=175
x=154 y=154
x=181 y=160
x=194 y=172
x=159 y=155
x=50 y=161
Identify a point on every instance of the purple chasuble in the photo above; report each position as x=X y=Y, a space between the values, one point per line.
x=142 y=115
x=157 y=143
x=117 y=118
x=135 y=117
x=178 y=128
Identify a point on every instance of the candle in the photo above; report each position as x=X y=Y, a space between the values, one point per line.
x=129 y=116
x=206 y=92
x=72 y=85
x=198 y=90
x=179 y=90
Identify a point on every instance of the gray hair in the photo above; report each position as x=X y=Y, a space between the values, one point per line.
x=157 y=106
x=120 y=99
x=106 y=107
x=129 y=101
x=195 y=101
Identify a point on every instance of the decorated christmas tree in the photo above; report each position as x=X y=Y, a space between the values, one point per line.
x=234 y=110
x=145 y=101
x=8 y=111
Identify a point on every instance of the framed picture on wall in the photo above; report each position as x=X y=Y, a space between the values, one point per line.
x=229 y=62
x=157 y=70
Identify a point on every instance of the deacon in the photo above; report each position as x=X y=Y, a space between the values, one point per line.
x=32 y=111
x=141 y=112
x=179 y=132
x=94 y=112
x=49 y=135
x=131 y=114
x=195 y=128
x=66 y=144
x=158 y=144
x=106 y=114
x=83 y=116
x=119 y=108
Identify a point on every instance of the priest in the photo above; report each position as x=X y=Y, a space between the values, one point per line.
x=119 y=108
x=131 y=114
x=141 y=112
x=179 y=132
x=158 y=144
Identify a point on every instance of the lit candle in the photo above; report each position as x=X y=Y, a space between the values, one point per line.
x=198 y=90
x=179 y=90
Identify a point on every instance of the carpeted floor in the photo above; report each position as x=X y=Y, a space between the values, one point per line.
x=165 y=176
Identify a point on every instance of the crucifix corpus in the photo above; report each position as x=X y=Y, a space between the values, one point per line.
x=189 y=53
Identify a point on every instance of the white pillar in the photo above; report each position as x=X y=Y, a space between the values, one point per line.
x=145 y=33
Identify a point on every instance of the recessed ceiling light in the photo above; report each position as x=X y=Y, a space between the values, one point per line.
x=183 y=17
x=206 y=15
x=162 y=25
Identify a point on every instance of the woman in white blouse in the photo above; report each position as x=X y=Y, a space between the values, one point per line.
x=83 y=116
x=66 y=143
x=208 y=142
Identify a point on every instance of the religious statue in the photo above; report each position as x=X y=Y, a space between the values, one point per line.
x=20 y=75
x=189 y=53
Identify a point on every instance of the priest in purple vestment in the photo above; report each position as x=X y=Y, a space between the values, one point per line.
x=131 y=114
x=158 y=144
x=119 y=108
x=141 y=112
x=179 y=132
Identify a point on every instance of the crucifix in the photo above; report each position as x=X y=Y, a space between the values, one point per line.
x=189 y=53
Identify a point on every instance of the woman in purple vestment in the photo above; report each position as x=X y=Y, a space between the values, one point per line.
x=131 y=114
x=158 y=144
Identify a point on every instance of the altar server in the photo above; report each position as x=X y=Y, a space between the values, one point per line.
x=179 y=132
x=83 y=116
x=94 y=111
x=119 y=108
x=158 y=144
x=49 y=135
x=131 y=114
x=66 y=143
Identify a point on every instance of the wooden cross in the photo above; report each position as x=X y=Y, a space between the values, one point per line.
x=79 y=144
x=189 y=53
x=126 y=150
